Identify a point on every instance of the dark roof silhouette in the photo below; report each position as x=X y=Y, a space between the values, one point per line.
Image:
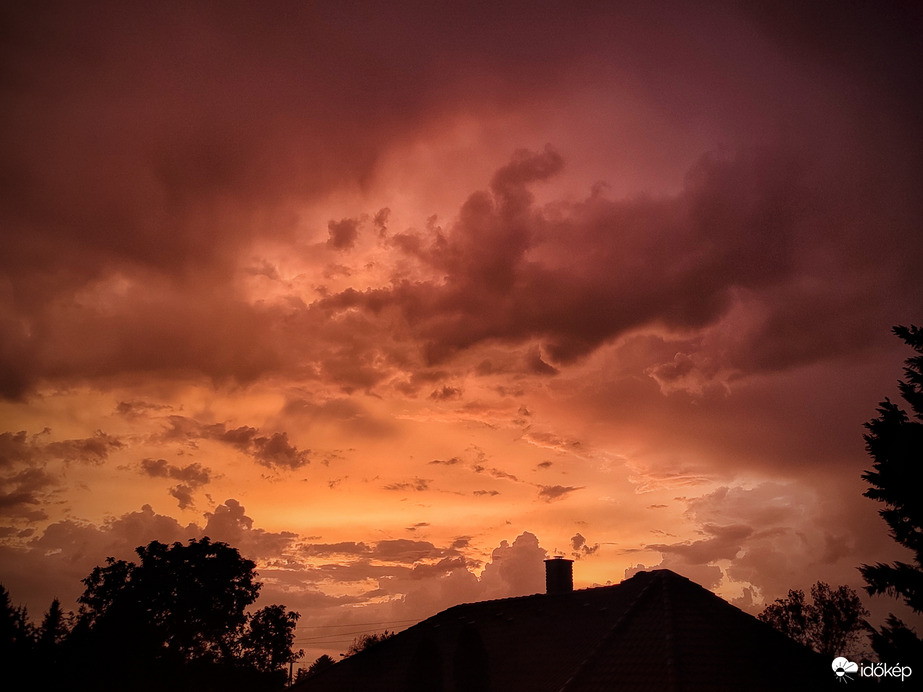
x=655 y=631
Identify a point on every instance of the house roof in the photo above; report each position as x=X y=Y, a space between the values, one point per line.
x=654 y=631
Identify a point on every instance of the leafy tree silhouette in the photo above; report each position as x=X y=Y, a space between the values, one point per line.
x=322 y=662
x=178 y=620
x=831 y=624
x=367 y=641
x=267 y=643
x=188 y=601
x=895 y=443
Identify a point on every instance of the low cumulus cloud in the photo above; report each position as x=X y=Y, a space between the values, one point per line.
x=581 y=548
x=192 y=477
x=767 y=535
x=515 y=569
x=27 y=483
x=56 y=559
x=393 y=578
x=230 y=523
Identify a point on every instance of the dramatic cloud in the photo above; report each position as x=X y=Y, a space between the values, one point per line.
x=20 y=447
x=229 y=523
x=625 y=271
x=192 y=476
x=516 y=569
x=516 y=272
x=581 y=548
x=343 y=233
x=273 y=450
x=23 y=492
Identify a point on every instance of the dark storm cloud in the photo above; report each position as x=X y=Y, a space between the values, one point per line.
x=15 y=447
x=157 y=141
x=581 y=548
x=162 y=138
x=26 y=483
x=550 y=493
x=23 y=492
x=183 y=495
x=417 y=484
x=28 y=448
x=271 y=450
x=343 y=233
x=193 y=474
x=578 y=276
x=723 y=543
x=446 y=393
x=537 y=365
x=192 y=477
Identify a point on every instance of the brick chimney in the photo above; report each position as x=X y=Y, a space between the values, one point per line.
x=559 y=575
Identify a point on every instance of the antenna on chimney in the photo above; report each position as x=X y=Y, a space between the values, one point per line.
x=559 y=575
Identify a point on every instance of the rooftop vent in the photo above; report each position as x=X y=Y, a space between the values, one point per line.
x=559 y=575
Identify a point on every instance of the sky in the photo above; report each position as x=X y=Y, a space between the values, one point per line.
x=400 y=301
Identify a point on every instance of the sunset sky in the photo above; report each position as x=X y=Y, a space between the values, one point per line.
x=400 y=298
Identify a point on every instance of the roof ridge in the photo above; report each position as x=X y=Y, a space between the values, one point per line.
x=629 y=611
x=670 y=634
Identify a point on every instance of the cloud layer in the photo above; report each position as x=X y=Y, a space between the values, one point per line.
x=440 y=291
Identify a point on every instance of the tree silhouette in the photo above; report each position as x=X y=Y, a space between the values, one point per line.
x=50 y=643
x=831 y=624
x=178 y=620
x=182 y=602
x=322 y=662
x=366 y=641
x=17 y=636
x=268 y=641
x=55 y=626
x=895 y=443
